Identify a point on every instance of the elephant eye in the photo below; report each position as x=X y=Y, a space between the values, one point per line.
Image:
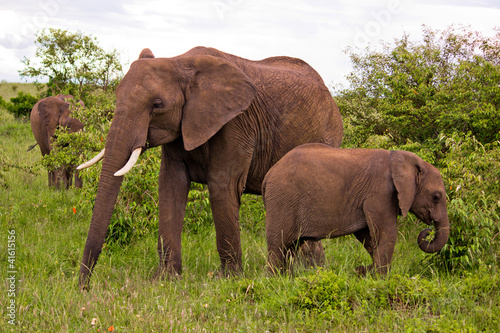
x=158 y=103
x=436 y=197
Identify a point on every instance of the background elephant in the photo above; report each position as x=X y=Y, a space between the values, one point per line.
x=221 y=120
x=316 y=192
x=46 y=116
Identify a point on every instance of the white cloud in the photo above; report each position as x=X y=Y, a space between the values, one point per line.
x=314 y=30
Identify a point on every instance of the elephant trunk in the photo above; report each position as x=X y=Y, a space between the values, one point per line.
x=440 y=237
x=117 y=153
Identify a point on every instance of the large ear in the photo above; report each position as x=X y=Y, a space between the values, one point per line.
x=146 y=53
x=218 y=92
x=406 y=169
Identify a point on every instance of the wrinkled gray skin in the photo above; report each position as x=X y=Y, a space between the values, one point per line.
x=316 y=192
x=221 y=120
x=46 y=116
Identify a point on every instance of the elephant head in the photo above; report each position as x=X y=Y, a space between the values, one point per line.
x=160 y=100
x=421 y=191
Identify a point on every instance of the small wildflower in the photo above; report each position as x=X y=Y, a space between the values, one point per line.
x=74 y=210
x=111 y=329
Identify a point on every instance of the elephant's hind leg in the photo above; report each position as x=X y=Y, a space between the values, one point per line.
x=311 y=253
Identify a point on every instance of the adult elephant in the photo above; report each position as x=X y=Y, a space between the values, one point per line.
x=221 y=120
x=46 y=116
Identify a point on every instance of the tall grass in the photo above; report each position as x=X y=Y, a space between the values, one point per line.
x=51 y=228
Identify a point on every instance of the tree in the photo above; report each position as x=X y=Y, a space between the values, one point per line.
x=449 y=81
x=72 y=62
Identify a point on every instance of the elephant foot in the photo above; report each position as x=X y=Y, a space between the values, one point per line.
x=165 y=273
x=363 y=270
x=230 y=269
x=379 y=270
x=311 y=254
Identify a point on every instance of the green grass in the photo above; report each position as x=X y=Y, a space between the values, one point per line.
x=415 y=297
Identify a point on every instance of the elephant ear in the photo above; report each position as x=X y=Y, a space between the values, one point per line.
x=218 y=92
x=406 y=169
x=146 y=53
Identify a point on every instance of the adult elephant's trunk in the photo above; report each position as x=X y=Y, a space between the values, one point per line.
x=440 y=238
x=117 y=153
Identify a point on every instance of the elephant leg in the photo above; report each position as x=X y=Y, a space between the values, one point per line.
x=382 y=253
x=78 y=180
x=379 y=239
x=52 y=178
x=225 y=210
x=174 y=184
x=68 y=179
x=311 y=253
x=364 y=237
x=280 y=253
x=275 y=257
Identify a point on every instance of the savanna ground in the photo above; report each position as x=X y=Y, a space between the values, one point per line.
x=40 y=272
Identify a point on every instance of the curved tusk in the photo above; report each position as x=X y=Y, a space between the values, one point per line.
x=93 y=161
x=131 y=162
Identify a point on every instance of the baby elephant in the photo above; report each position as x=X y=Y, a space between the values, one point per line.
x=317 y=192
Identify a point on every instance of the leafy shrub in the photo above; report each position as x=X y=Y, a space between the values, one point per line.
x=471 y=172
x=416 y=90
x=136 y=211
x=336 y=297
x=198 y=210
x=21 y=105
x=325 y=293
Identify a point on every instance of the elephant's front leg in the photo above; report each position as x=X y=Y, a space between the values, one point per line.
x=173 y=190
x=379 y=239
x=225 y=201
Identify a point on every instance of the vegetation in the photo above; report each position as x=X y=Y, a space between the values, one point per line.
x=456 y=290
x=73 y=63
x=21 y=105
x=440 y=99
x=447 y=82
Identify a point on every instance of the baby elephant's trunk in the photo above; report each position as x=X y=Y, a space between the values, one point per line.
x=440 y=238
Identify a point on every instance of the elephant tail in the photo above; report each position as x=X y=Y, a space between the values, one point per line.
x=33 y=146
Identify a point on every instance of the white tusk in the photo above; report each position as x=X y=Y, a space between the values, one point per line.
x=131 y=162
x=93 y=161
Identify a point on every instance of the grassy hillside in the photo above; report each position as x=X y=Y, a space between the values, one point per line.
x=9 y=90
x=50 y=228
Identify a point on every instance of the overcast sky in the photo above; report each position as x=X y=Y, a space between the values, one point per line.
x=317 y=31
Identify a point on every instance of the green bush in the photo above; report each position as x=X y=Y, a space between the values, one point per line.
x=21 y=105
x=471 y=172
x=449 y=81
